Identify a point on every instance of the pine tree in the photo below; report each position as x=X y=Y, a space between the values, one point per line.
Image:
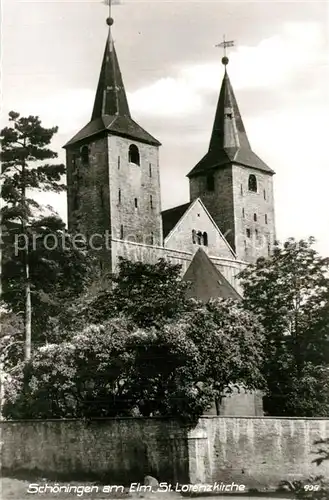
x=24 y=149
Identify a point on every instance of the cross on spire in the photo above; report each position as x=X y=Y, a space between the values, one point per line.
x=109 y=22
x=224 y=44
x=109 y=3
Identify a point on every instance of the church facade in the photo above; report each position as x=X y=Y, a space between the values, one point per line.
x=113 y=187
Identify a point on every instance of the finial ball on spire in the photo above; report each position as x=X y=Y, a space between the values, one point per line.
x=225 y=60
x=110 y=21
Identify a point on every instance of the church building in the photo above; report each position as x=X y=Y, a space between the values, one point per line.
x=113 y=181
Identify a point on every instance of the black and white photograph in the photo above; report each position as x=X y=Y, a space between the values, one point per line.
x=164 y=258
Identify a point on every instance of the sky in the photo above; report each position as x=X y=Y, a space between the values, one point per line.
x=279 y=69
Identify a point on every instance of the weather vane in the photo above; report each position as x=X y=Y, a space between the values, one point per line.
x=224 y=44
x=109 y=19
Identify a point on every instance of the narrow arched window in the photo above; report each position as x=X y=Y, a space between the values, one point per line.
x=248 y=233
x=194 y=236
x=205 y=239
x=151 y=201
x=252 y=183
x=134 y=156
x=121 y=232
x=210 y=182
x=199 y=238
x=84 y=152
x=255 y=217
x=152 y=239
x=265 y=218
x=243 y=214
x=119 y=196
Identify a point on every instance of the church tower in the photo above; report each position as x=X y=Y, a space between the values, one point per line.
x=113 y=174
x=235 y=185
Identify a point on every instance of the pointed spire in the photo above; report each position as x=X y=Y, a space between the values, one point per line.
x=229 y=142
x=111 y=112
x=111 y=96
x=228 y=129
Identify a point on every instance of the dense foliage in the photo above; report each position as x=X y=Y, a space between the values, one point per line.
x=289 y=292
x=176 y=366
x=146 y=293
x=57 y=274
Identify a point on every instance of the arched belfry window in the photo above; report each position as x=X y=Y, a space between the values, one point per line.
x=134 y=156
x=199 y=238
x=205 y=239
x=84 y=152
x=252 y=183
x=193 y=236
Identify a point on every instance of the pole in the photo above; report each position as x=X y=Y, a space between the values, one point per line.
x=1 y=386
x=28 y=310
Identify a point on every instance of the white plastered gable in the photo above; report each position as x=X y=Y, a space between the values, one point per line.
x=197 y=218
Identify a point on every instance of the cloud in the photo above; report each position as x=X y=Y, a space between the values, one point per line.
x=268 y=65
x=167 y=97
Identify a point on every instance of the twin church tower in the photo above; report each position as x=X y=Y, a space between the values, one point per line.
x=113 y=180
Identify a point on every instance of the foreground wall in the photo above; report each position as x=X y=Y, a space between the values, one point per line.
x=119 y=451
x=256 y=452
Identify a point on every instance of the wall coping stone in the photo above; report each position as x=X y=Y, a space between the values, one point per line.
x=111 y=419
x=157 y=247
x=260 y=417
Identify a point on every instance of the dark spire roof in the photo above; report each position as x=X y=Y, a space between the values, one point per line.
x=229 y=142
x=111 y=110
x=111 y=96
x=228 y=130
x=171 y=216
x=206 y=280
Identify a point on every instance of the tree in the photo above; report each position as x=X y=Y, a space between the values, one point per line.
x=58 y=269
x=231 y=343
x=148 y=294
x=175 y=368
x=59 y=272
x=73 y=378
x=23 y=145
x=289 y=292
x=11 y=324
x=110 y=370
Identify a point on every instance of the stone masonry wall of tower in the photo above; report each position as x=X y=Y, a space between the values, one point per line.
x=130 y=185
x=88 y=194
x=254 y=217
x=234 y=208
x=219 y=202
x=102 y=193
